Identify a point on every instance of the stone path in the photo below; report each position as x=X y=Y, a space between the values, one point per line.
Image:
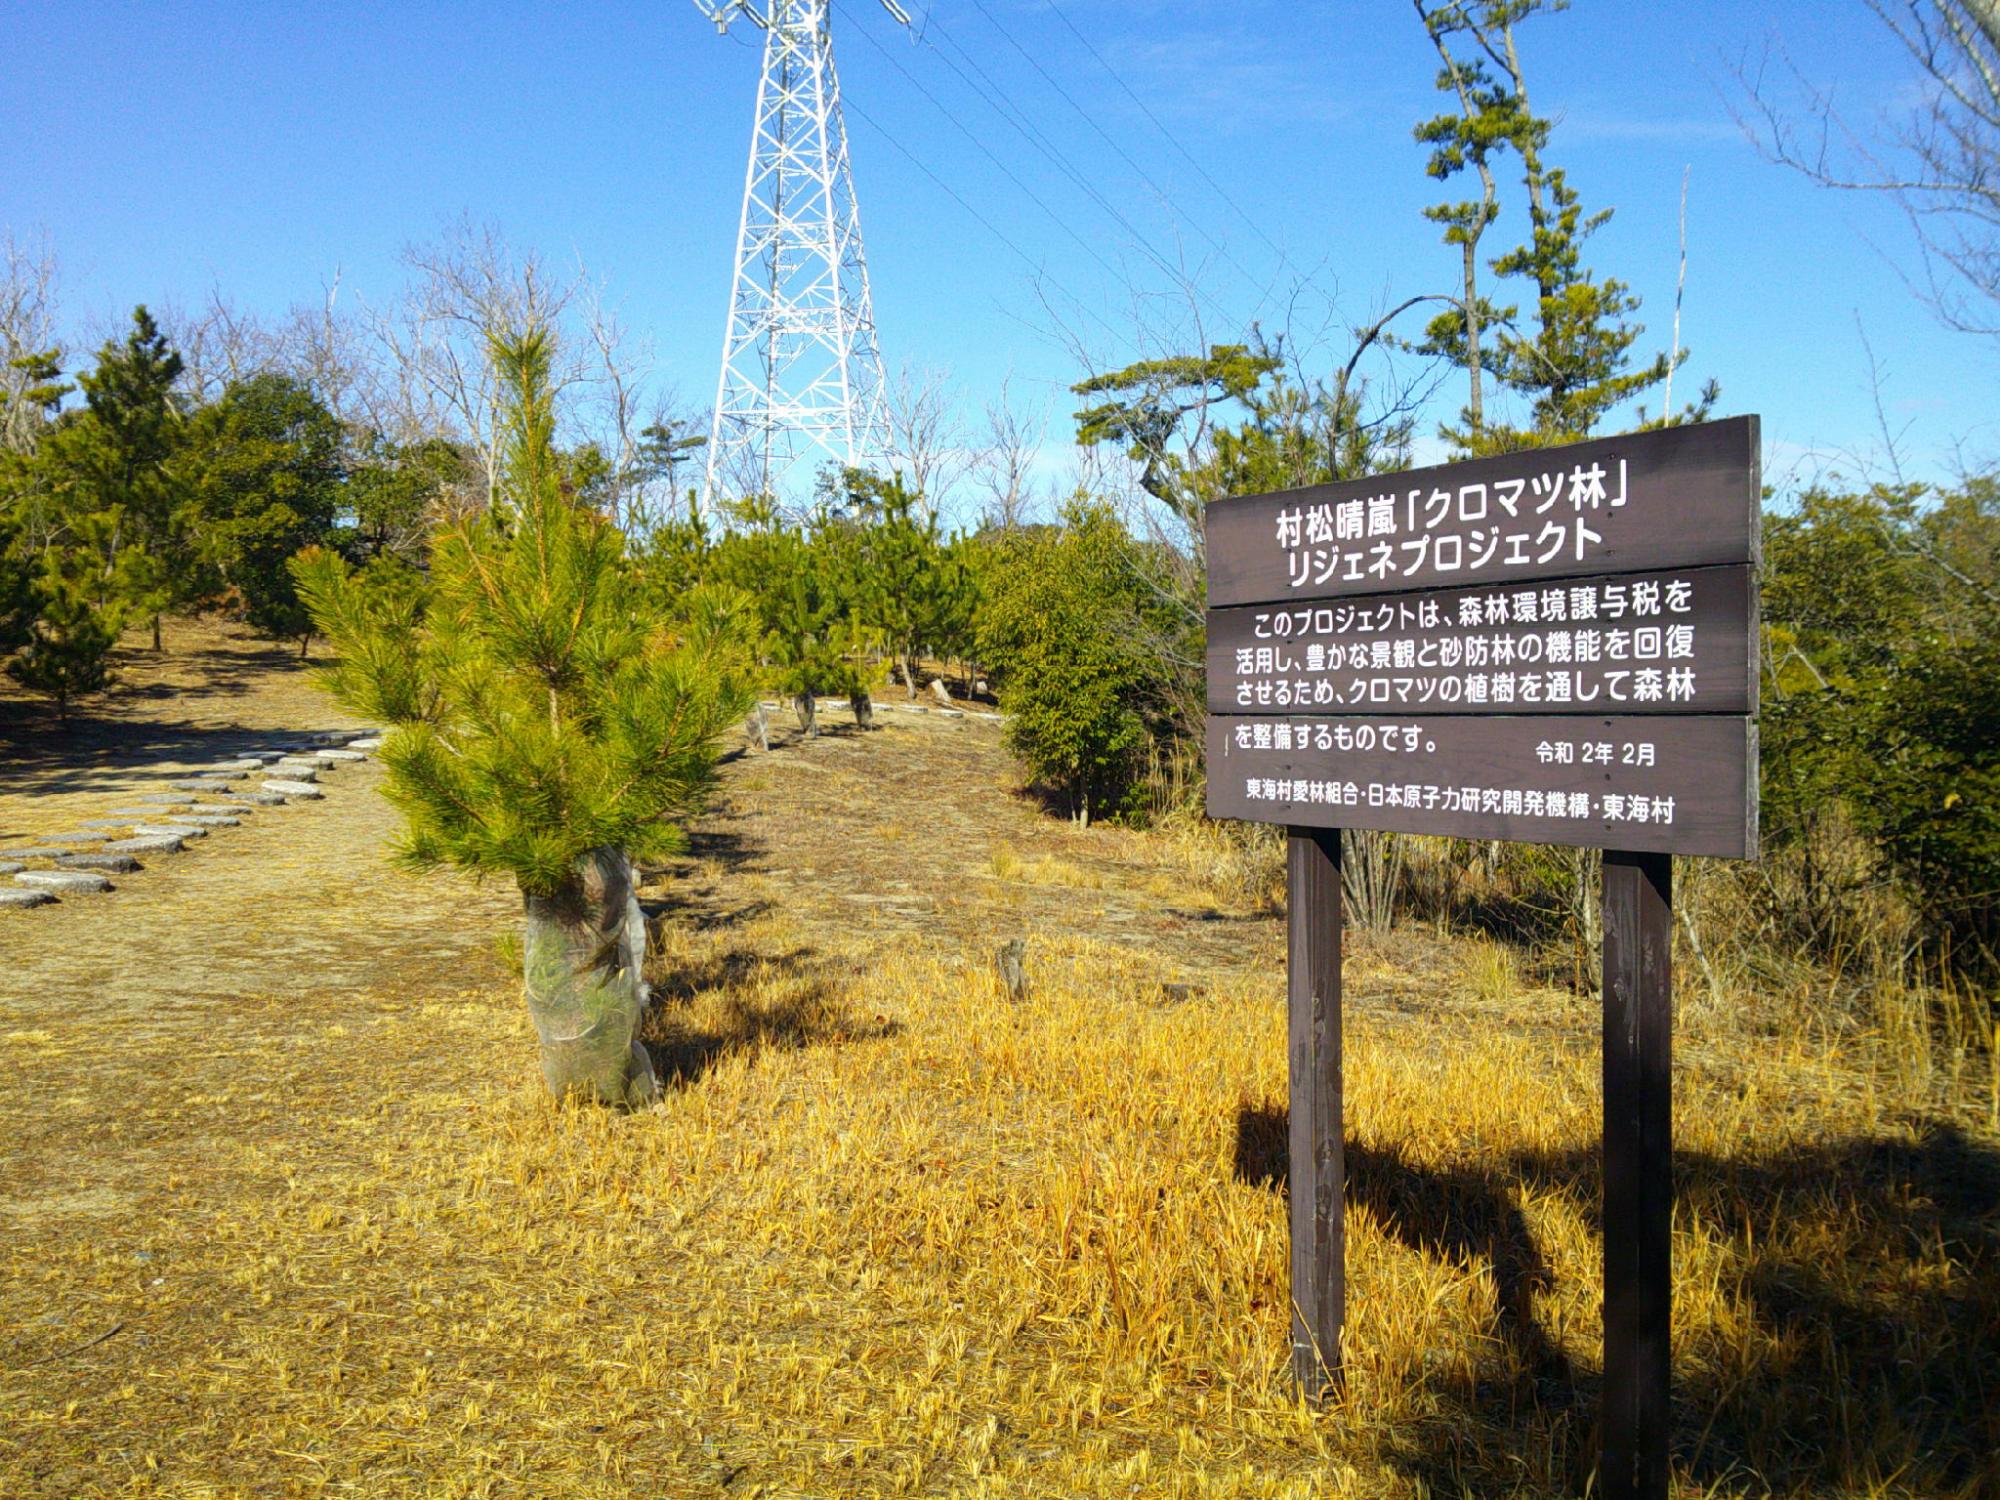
x=75 y=863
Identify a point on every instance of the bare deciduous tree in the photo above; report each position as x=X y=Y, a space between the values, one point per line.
x=1940 y=160
x=463 y=287
x=926 y=436
x=1004 y=464
x=219 y=344
x=27 y=329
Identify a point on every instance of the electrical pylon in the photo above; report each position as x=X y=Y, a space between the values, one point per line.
x=801 y=379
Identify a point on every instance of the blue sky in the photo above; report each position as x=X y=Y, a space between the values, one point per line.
x=263 y=148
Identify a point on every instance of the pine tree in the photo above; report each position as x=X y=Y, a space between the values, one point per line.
x=79 y=613
x=1574 y=365
x=130 y=397
x=812 y=642
x=909 y=584
x=18 y=597
x=37 y=390
x=1489 y=118
x=264 y=476
x=548 y=726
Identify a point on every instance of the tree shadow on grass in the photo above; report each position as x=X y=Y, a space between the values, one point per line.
x=808 y=1009
x=814 y=1015
x=679 y=983
x=227 y=670
x=1864 y=1348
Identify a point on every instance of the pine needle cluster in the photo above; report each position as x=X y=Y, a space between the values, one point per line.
x=542 y=709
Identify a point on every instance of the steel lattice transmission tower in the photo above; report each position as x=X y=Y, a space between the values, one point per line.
x=801 y=379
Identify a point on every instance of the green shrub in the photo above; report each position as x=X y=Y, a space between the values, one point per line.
x=1067 y=628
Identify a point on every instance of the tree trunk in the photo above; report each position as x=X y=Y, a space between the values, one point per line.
x=1372 y=876
x=156 y=633
x=582 y=953
x=1587 y=915
x=1476 y=407
x=909 y=676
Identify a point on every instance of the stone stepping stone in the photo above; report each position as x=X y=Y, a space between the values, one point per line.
x=11 y=866
x=298 y=789
x=241 y=800
x=239 y=768
x=340 y=756
x=373 y=742
x=115 y=864
x=63 y=880
x=298 y=770
x=21 y=900
x=228 y=775
x=112 y=822
x=170 y=799
x=255 y=758
x=193 y=784
x=31 y=851
x=81 y=836
x=163 y=830
x=204 y=820
x=169 y=842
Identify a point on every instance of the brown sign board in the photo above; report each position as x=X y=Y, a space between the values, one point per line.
x=1676 y=497
x=1459 y=651
x=1681 y=641
x=1681 y=784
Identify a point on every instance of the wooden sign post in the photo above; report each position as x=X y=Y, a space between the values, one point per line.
x=1556 y=646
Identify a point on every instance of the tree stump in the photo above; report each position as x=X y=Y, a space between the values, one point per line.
x=1012 y=962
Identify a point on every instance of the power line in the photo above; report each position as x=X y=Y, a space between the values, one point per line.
x=1160 y=125
x=1011 y=111
x=983 y=148
x=1090 y=120
x=991 y=228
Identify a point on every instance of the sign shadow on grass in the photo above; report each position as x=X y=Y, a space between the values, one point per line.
x=1861 y=1338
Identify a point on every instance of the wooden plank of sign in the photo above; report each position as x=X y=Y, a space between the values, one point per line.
x=1638 y=1174
x=1682 y=641
x=1671 y=784
x=1316 y=1162
x=1677 y=497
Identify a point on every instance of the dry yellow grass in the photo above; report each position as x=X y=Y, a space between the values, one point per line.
x=1490 y=972
x=891 y=1234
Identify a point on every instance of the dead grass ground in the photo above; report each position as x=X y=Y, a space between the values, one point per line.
x=890 y=1234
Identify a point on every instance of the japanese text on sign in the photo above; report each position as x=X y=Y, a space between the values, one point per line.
x=1678 y=782
x=1677 y=497
x=1520 y=521
x=1645 y=643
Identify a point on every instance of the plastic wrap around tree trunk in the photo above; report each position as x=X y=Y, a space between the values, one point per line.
x=582 y=954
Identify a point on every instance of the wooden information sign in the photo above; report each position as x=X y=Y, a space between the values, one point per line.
x=1557 y=646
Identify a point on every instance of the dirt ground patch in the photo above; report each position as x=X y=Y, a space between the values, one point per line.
x=913 y=833
x=297 y=900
